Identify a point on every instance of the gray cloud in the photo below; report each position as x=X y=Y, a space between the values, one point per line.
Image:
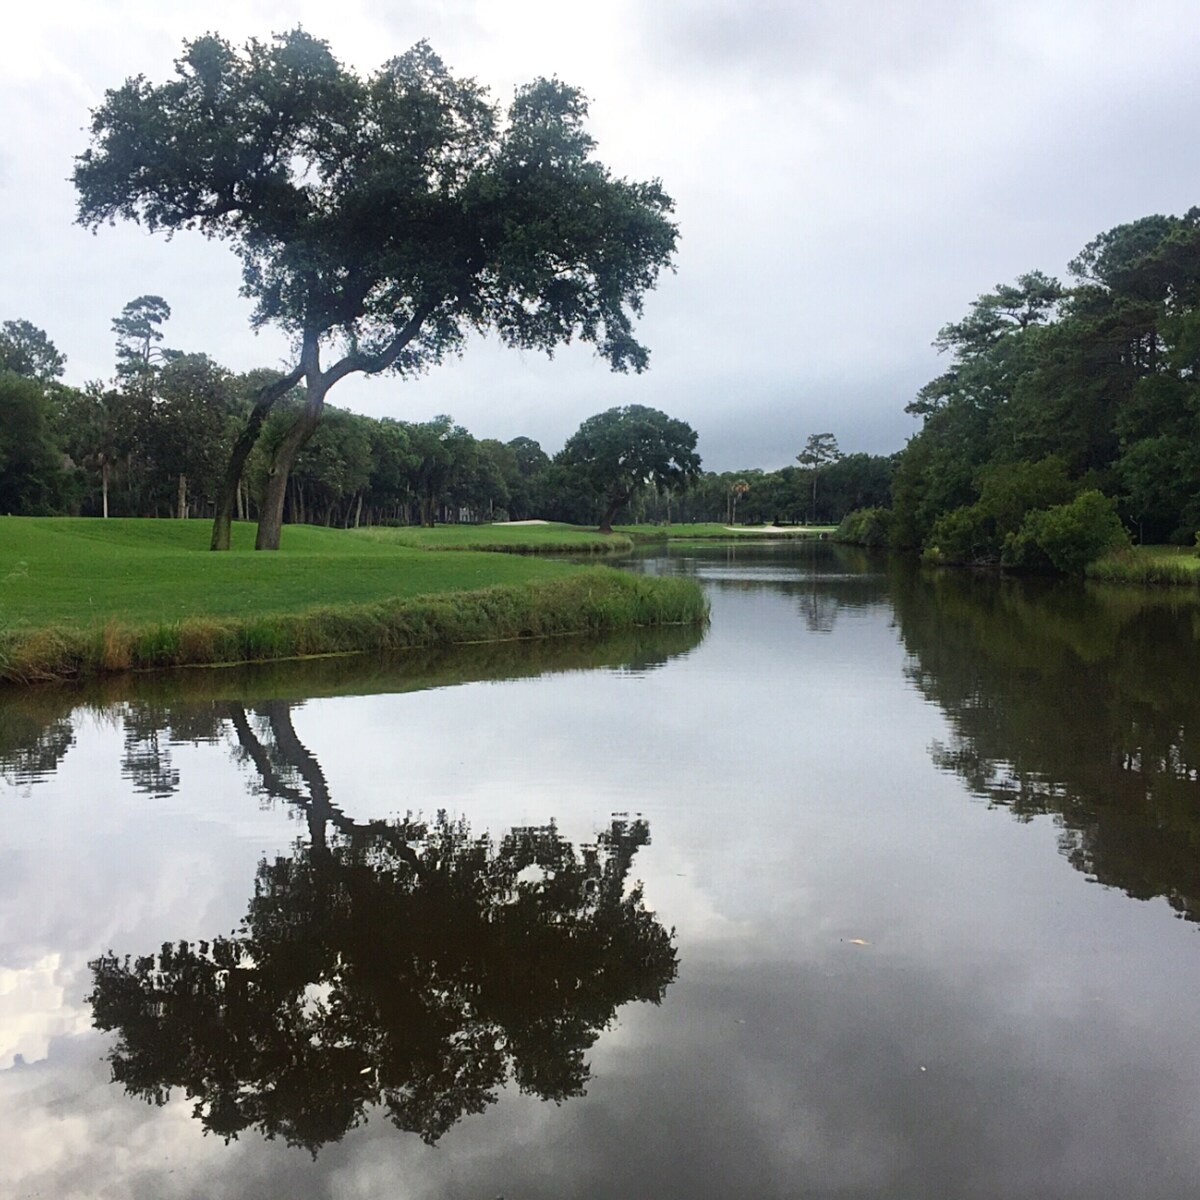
x=848 y=177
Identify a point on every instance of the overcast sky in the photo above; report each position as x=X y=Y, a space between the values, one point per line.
x=849 y=175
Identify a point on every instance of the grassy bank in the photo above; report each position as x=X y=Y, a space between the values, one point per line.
x=1149 y=566
x=551 y=538
x=84 y=597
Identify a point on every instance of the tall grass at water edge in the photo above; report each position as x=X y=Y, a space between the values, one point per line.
x=588 y=601
x=1148 y=566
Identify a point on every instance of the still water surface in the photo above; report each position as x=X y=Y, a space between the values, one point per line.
x=885 y=886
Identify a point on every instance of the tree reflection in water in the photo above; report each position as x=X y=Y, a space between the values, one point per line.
x=1075 y=702
x=404 y=964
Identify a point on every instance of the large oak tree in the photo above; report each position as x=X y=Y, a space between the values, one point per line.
x=378 y=220
x=616 y=453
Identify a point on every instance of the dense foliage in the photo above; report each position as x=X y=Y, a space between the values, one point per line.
x=1054 y=393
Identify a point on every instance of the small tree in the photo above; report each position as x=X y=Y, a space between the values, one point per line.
x=618 y=452
x=736 y=491
x=378 y=218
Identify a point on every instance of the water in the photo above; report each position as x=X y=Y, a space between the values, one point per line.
x=919 y=857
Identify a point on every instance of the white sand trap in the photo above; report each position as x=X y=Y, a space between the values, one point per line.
x=534 y=521
x=793 y=529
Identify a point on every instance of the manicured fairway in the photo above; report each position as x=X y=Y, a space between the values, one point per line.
x=548 y=538
x=85 y=571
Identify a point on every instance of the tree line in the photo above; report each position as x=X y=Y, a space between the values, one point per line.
x=1068 y=415
x=153 y=441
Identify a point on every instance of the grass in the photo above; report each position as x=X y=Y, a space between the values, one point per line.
x=81 y=597
x=82 y=572
x=1152 y=566
x=551 y=538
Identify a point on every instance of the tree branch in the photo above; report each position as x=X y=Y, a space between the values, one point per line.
x=372 y=364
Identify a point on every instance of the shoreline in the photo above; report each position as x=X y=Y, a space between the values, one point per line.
x=587 y=602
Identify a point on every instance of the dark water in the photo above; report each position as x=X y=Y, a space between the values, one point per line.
x=885 y=887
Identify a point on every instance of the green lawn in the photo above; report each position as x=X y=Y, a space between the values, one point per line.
x=84 y=571
x=551 y=538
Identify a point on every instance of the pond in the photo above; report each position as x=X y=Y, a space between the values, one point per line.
x=886 y=885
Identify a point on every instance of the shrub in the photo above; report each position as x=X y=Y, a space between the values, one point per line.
x=963 y=535
x=1008 y=492
x=1067 y=537
x=865 y=527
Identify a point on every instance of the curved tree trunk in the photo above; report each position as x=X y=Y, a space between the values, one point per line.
x=270 y=519
x=228 y=497
x=614 y=507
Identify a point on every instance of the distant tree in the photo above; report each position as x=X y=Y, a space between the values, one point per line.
x=26 y=350
x=379 y=218
x=393 y=461
x=443 y=454
x=618 y=452
x=855 y=481
x=333 y=470
x=523 y=488
x=139 y=330
x=819 y=451
x=91 y=432
x=736 y=491
x=189 y=424
x=31 y=475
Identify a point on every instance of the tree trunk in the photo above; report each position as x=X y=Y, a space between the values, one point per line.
x=181 y=498
x=104 y=486
x=270 y=519
x=614 y=507
x=227 y=498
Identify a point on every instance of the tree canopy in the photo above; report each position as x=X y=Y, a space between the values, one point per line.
x=623 y=449
x=26 y=350
x=379 y=219
x=1072 y=390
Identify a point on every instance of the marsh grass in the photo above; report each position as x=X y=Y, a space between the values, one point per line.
x=1149 y=566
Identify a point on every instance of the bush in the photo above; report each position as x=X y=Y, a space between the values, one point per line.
x=963 y=535
x=1067 y=537
x=865 y=527
x=1008 y=492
